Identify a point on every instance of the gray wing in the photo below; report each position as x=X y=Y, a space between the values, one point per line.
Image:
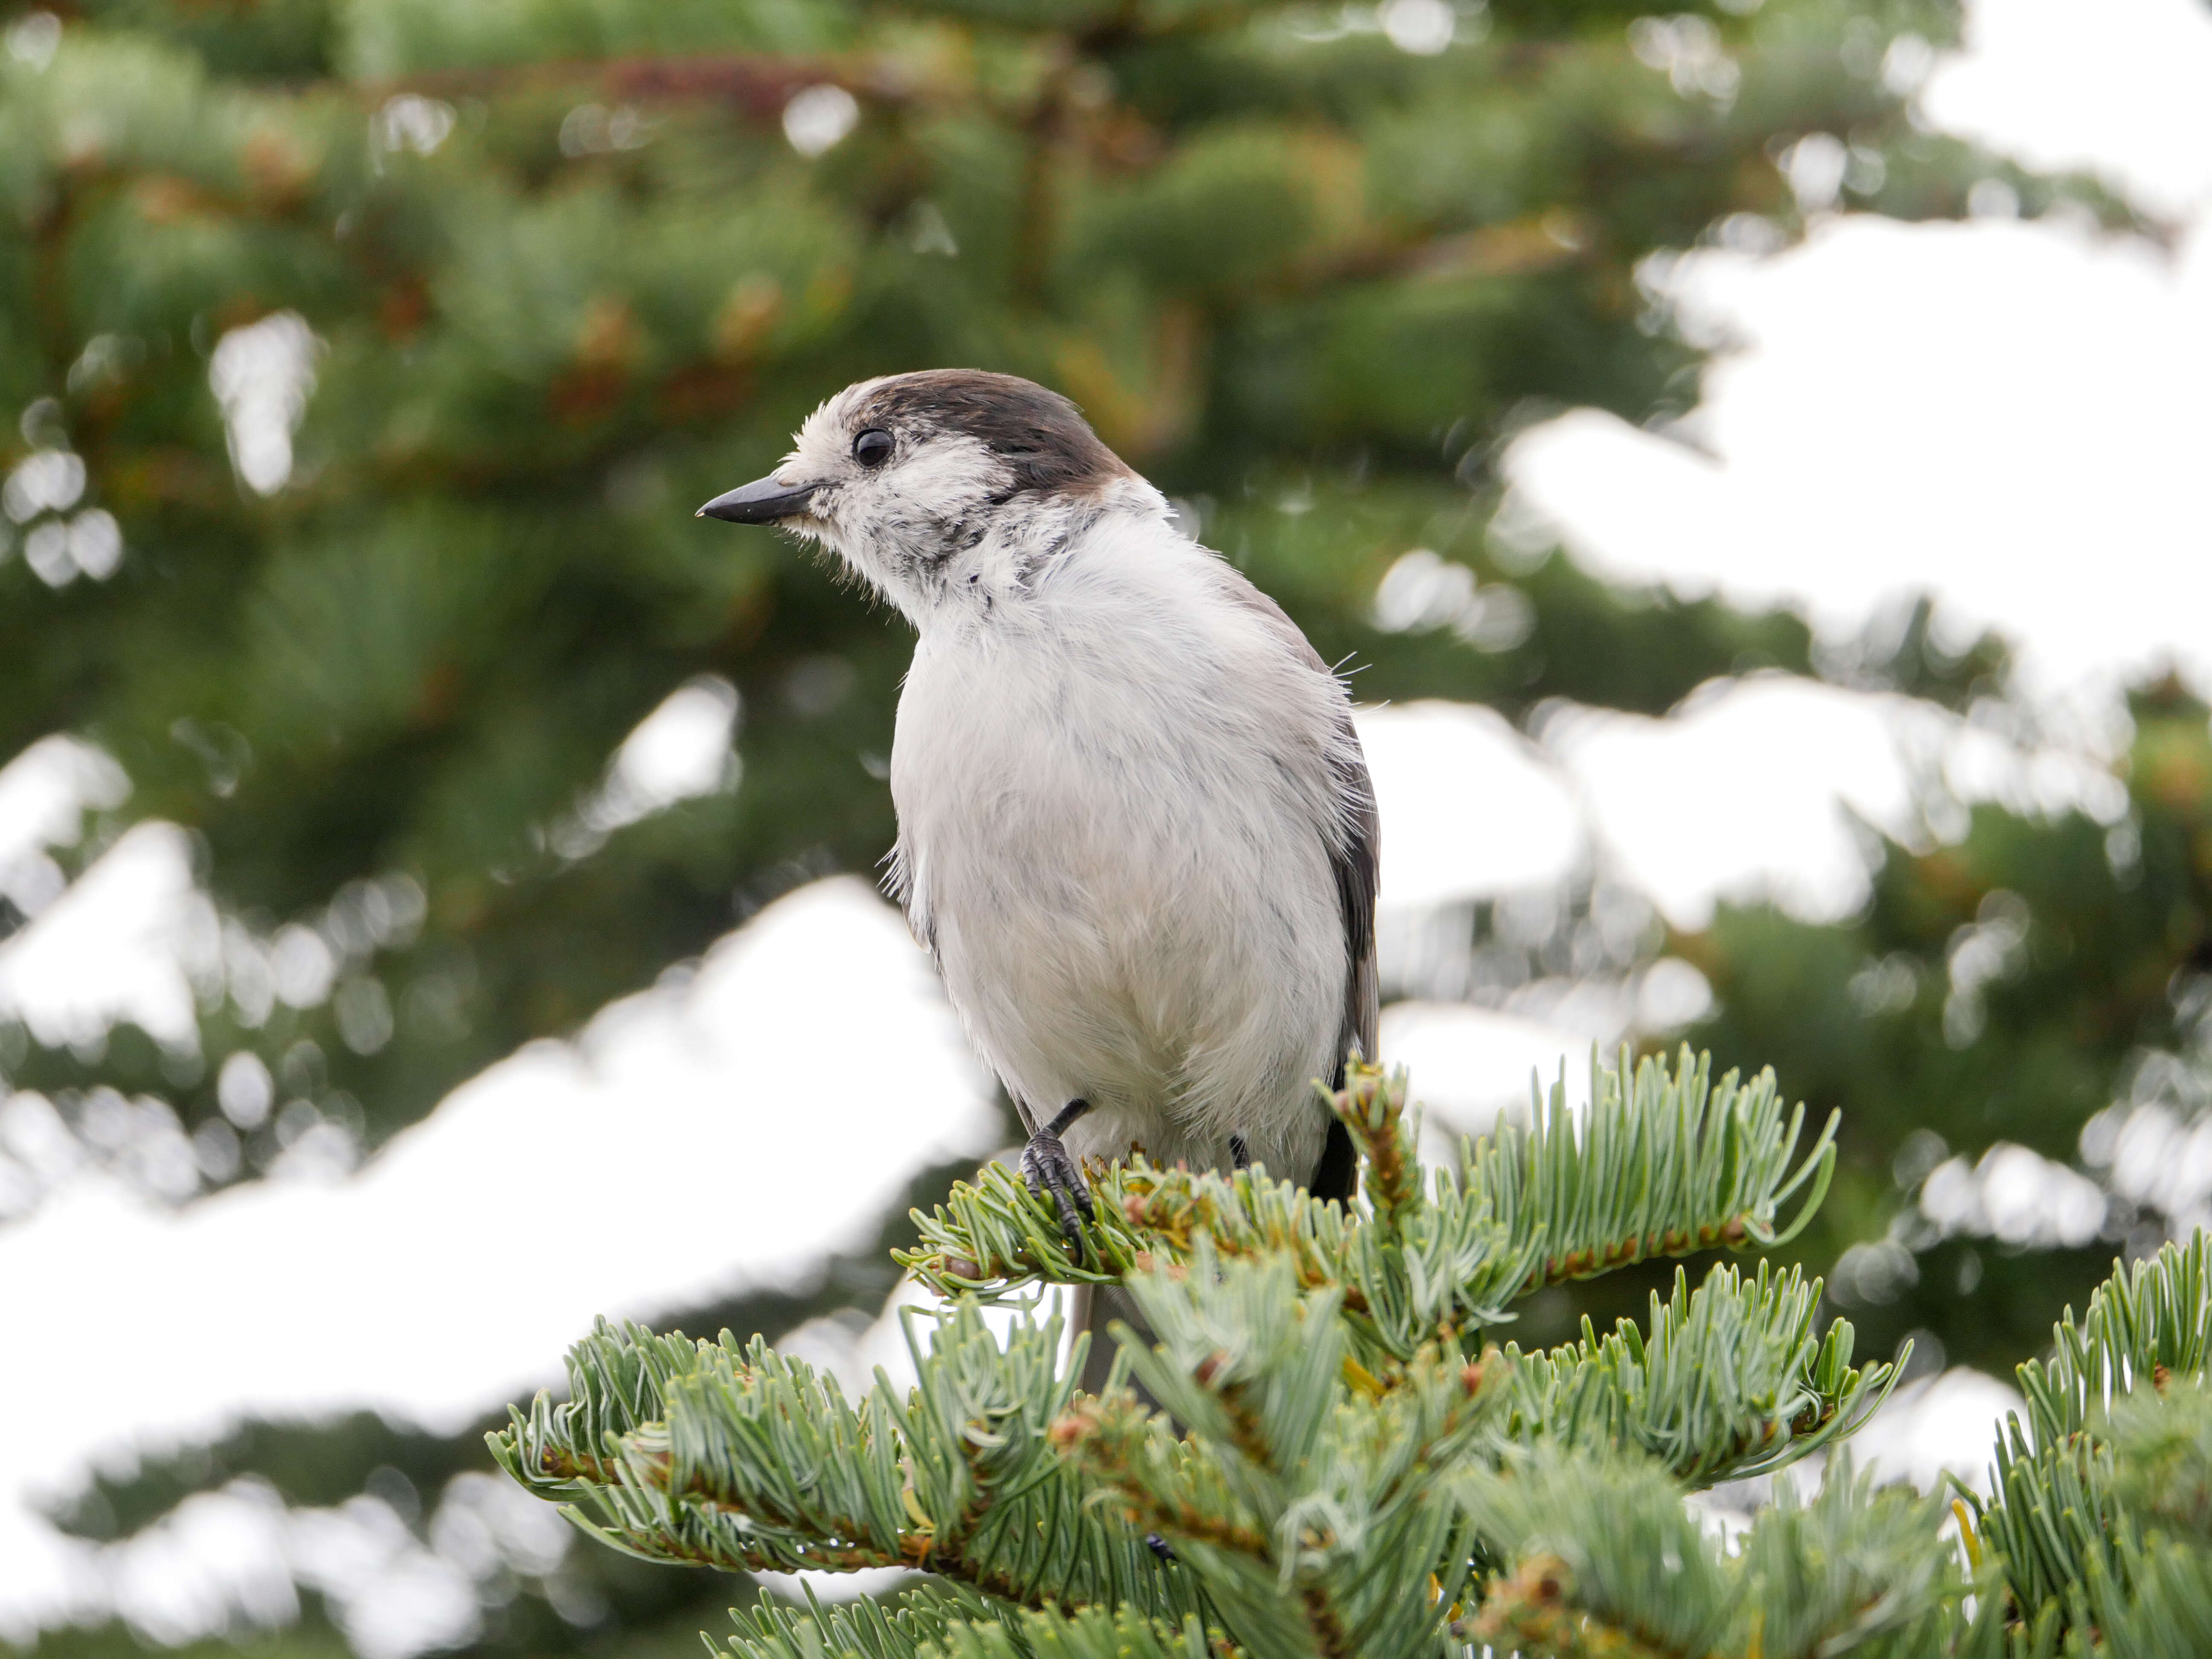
x=1355 y=864
x=1354 y=859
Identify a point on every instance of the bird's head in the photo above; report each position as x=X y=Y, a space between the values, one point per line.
x=948 y=480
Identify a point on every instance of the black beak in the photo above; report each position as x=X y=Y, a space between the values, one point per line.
x=762 y=502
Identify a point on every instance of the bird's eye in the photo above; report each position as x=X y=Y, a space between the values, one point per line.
x=873 y=447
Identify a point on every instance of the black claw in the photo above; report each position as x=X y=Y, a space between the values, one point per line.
x=1159 y=1547
x=1046 y=1167
x=1240 y=1155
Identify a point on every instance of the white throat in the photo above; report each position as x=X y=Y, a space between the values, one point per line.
x=964 y=571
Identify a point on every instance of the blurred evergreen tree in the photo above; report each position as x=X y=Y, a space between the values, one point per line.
x=364 y=362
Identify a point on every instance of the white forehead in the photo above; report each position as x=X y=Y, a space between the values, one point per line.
x=825 y=437
x=944 y=472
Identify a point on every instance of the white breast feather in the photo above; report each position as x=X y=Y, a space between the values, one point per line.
x=1116 y=811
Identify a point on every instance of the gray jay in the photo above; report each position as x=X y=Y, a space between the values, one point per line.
x=1135 y=829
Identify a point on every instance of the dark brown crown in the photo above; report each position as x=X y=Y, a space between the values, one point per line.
x=1039 y=435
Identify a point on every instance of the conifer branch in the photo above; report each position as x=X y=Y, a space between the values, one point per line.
x=1732 y=1380
x=2056 y=1518
x=1372 y=1106
x=949 y=1629
x=1310 y=1453
x=1297 y=1498
x=738 y=1458
x=1608 y=1561
x=1666 y=1165
x=1532 y=1609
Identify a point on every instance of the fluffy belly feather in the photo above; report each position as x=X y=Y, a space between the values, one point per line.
x=1153 y=929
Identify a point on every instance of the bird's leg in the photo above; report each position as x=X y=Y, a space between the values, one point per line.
x=1240 y=1155
x=1046 y=1164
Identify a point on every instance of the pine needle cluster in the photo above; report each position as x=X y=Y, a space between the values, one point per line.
x=1320 y=1447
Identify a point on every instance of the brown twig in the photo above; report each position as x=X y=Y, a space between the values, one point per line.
x=1601 y=1259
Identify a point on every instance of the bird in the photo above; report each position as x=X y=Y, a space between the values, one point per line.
x=1136 y=830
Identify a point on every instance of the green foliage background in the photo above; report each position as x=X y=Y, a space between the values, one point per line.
x=1309 y=282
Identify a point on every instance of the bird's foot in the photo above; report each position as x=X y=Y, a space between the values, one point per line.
x=1046 y=1166
x=1240 y=1155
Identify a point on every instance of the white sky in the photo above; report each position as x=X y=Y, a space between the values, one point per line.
x=2116 y=89
x=2009 y=413
x=1474 y=809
